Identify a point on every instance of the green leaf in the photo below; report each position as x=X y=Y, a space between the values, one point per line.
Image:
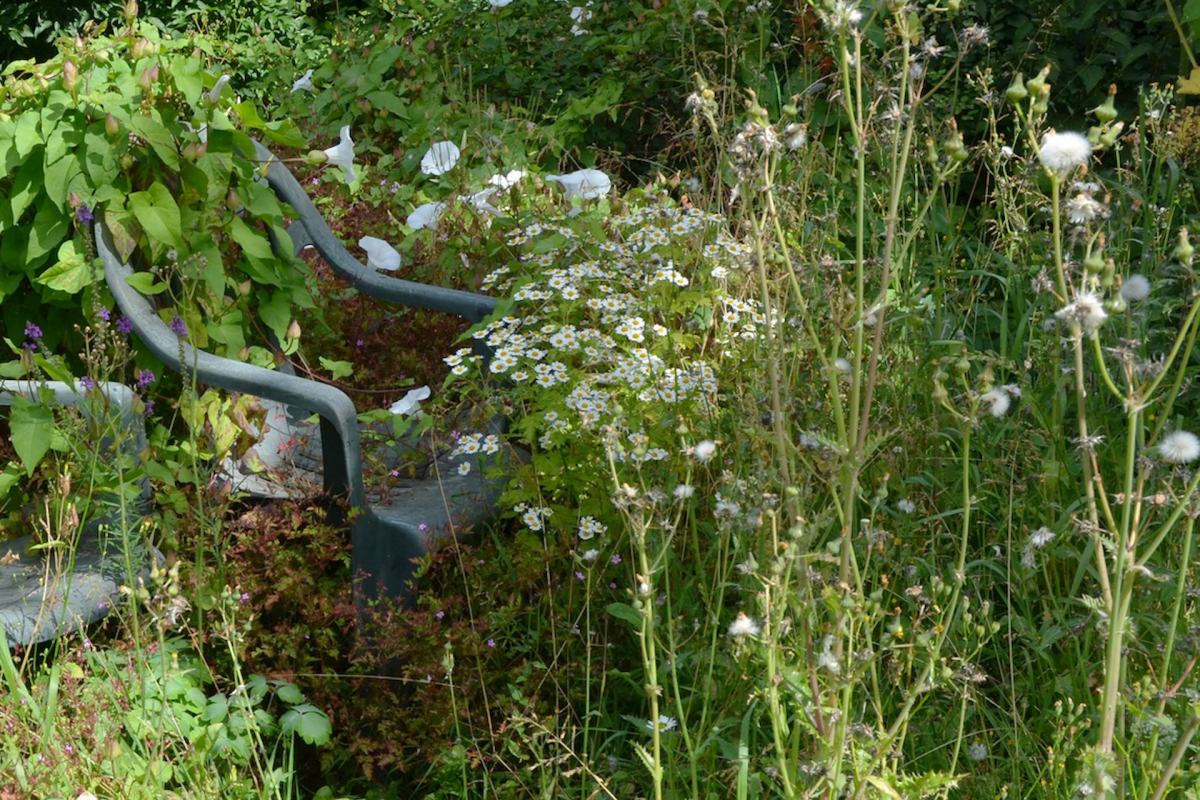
x=158 y=137
x=70 y=273
x=49 y=228
x=26 y=135
x=289 y=693
x=62 y=177
x=217 y=708
x=158 y=214
x=338 y=369
x=186 y=72
x=1191 y=11
x=253 y=243
x=9 y=478
x=25 y=187
x=145 y=283
x=314 y=728
x=30 y=426
x=627 y=613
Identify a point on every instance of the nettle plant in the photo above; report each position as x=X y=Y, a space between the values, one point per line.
x=132 y=129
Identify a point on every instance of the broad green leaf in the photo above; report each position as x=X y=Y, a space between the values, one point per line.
x=253 y=243
x=25 y=186
x=70 y=273
x=627 y=613
x=30 y=425
x=26 y=135
x=49 y=227
x=277 y=314
x=145 y=283
x=156 y=211
x=285 y=133
x=158 y=137
x=63 y=177
x=186 y=72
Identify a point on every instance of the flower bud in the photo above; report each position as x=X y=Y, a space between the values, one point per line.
x=293 y=330
x=141 y=48
x=70 y=75
x=1115 y=305
x=1094 y=263
x=131 y=11
x=1109 y=276
x=148 y=77
x=1016 y=91
x=232 y=201
x=1183 y=250
x=112 y=126
x=1109 y=137
x=1107 y=111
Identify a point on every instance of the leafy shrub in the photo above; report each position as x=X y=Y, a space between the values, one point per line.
x=259 y=42
x=134 y=131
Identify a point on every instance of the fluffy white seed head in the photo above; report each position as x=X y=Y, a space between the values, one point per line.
x=704 y=450
x=1179 y=447
x=1063 y=152
x=743 y=626
x=1135 y=289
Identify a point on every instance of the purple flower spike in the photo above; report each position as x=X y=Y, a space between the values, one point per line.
x=87 y=382
x=83 y=214
x=179 y=327
x=149 y=408
x=32 y=332
x=104 y=314
x=144 y=378
x=124 y=325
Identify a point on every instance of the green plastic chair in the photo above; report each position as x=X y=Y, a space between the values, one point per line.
x=387 y=533
x=44 y=597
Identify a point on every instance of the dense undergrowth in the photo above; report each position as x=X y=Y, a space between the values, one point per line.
x=849 y=351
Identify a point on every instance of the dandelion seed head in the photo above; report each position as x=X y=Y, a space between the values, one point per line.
x=1179 y=447
x=1135 y=288
x=1062 y=152
x=743 y=626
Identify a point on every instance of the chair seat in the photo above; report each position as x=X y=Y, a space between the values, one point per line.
x=42 y=597
x=412 y=482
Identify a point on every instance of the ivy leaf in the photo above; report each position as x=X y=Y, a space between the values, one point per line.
x=70 y=273
x=158 y=214
x=30 y=425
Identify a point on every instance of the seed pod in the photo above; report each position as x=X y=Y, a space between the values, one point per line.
x=112 y=126
x=1106 y=112
x=1016 y=91
x=1183 y=251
